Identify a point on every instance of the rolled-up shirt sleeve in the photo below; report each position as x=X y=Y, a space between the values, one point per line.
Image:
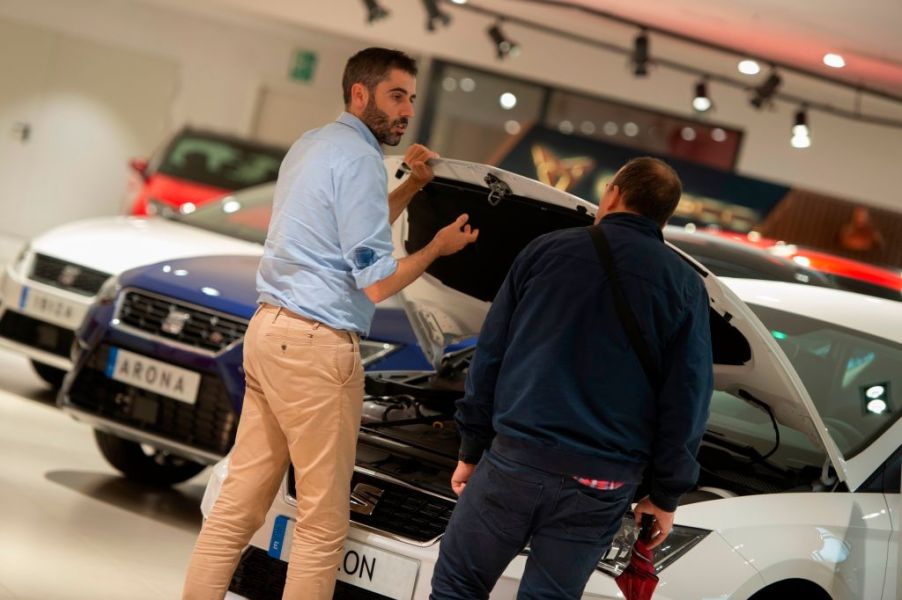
x=361 y=210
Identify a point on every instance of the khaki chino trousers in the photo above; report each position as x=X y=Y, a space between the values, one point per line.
x=302 y=403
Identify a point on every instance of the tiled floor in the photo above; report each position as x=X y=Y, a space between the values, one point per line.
x=70 y=526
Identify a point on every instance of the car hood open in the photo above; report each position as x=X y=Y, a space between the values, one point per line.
x=450 y=301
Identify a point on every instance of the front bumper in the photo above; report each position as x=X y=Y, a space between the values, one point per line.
x=203 y=431
x=39 y=320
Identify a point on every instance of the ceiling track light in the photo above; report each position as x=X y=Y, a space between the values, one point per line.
x=374 y=10
x=640 y=58
x=434 y=14
x=701 y=102
x=763 y=94
x=504 y=47
x=801 y=133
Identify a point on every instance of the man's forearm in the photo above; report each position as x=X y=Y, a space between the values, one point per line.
x=400 y=198
x=409 y=268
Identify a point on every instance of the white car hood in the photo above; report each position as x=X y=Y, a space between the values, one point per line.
x=115 y=244
x=448 y=303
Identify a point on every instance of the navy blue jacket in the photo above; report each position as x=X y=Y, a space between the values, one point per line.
x=557 y=385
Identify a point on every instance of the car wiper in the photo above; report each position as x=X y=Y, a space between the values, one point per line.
x=747 y=450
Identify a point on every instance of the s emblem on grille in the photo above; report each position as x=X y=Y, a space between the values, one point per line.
x=175 y=321
x=68 y=275
x=364 y=498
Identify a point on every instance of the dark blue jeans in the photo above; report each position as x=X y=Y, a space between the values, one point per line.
x=506 y=505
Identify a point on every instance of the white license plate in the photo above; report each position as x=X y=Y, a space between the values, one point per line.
x=50 y=308
x=361 y=565
x=153 y=375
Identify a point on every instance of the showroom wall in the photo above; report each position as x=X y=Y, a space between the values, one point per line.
x=231 y=71
x=227 y=74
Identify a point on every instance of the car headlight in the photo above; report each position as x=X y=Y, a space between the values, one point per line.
x=158 y=208
x=18 y=264
x=680 y=541
x=108 y=291
x=371 y=351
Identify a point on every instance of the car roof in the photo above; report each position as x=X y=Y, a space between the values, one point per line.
x=874 y=316
x=730 y=258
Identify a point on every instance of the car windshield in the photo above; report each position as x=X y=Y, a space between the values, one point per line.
x=852 y=377
x=244 y=215
x=225 y=163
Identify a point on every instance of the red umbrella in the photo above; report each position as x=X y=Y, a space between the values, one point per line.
x=638 y=580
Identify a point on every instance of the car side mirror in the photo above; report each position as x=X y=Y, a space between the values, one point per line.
x=139 y=165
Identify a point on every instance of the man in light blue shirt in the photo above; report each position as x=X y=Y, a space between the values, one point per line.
x=326 y=262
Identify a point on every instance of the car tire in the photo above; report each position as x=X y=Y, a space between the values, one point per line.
x=142 y=464
x=51 y=375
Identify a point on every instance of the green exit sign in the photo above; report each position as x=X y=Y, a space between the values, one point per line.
x=304 y=65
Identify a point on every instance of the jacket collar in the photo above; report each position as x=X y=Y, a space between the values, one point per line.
x=633 y=221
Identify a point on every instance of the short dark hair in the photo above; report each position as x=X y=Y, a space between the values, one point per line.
x=650 y=187
x=371 y=66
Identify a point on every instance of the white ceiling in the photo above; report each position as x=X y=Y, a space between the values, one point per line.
x=867 y=33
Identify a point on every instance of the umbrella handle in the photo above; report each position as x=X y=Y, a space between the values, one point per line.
x=645 y=527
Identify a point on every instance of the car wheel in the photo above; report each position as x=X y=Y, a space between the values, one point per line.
x=141 y=463
x=51 y=375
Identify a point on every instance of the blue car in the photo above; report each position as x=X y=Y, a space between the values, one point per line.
x=158 y=364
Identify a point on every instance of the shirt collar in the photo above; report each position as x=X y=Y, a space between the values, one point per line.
x=351 y=121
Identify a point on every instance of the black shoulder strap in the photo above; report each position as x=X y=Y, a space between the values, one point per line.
x=627 y=318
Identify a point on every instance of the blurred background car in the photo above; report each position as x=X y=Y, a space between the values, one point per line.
x=196 y=166
x=47 y=289
x=846 y=273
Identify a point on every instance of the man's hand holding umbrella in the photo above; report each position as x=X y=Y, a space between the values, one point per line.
x=663 y=521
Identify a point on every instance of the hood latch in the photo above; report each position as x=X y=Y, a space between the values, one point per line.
x=498 y=190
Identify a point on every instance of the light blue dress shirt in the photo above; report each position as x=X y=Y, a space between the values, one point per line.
x=329 y=236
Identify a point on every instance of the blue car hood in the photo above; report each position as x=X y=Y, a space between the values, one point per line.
x=223 y=283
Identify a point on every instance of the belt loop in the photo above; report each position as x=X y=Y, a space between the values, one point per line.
x=316 y=325
x=278 y=312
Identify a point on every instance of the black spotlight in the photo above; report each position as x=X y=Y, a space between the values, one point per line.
x=701 y=102
x=374 y=11
x=640 y=56
x=504 y=47
x=434 y=14
x=763 y=93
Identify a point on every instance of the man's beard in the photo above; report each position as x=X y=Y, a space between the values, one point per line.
x=381 y=126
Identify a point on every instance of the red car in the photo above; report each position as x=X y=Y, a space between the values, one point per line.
x=848 y=274
x=196 y=166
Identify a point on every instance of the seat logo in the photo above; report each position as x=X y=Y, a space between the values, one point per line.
x=68 y=275
x=175 y=321
x=364 y=498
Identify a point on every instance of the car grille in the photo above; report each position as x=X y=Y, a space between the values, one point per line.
x=67 y=276
x=400 y=510
x=262 y=577
x=171 y=320
x=36 y=333
x=208 y=424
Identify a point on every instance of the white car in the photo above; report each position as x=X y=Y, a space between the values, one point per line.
x=799 y=490
x=47 y=289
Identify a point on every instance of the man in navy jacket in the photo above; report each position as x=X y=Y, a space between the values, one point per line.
x=559 y=413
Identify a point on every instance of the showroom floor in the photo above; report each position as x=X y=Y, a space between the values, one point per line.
x=70 y=527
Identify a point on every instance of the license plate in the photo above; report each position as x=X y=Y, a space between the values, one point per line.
x=361 y=565
x=50 y=308
x=153 y=375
